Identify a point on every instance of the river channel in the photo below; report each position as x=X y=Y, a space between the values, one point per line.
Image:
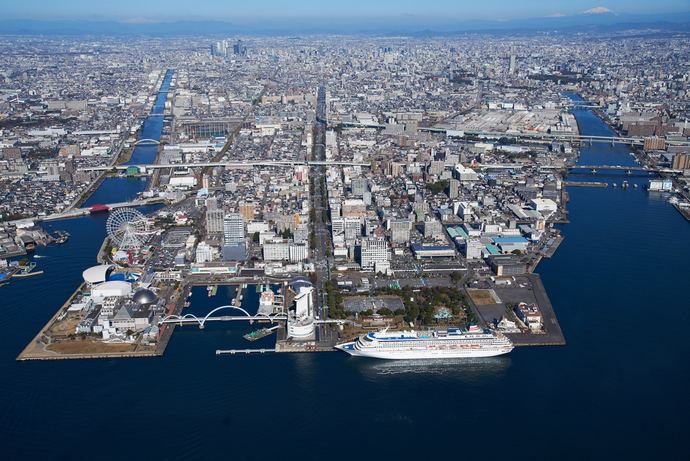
x=115 y=190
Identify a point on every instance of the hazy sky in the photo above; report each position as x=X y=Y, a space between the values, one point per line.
x=271 y=10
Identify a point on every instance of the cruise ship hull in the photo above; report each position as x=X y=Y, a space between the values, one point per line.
x=460 y=352
x=453 y=343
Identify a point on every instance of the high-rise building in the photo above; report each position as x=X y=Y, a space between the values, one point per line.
x=337 y=225
x=433 y=229
x=400 y=230
x=233 y=227
x=301 y=233
x=277 y=250
x=214 y=221
x=473 y=249
x=302 y=173
x=453 y=186
x=239 y=48
x=511 y=68
x=436 y=167
x=395 y=169
x=374 y=249
x=466 y=211
x=204 y=253
x=299 y=251
x=330 y=138
x=359 y=186
x=247 y=210
x=353 y=227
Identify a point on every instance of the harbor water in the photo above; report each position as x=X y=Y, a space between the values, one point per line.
x=616 y=390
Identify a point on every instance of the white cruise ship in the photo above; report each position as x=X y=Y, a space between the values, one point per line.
x=453 y=342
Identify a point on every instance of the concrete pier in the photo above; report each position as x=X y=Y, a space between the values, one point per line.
x=554 y=335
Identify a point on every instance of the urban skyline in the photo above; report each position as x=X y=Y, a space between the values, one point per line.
x=441 y=11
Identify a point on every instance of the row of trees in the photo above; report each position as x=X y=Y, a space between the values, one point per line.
x=421 y=305
x=437 y=187
x=335 y=301
x=286 y=234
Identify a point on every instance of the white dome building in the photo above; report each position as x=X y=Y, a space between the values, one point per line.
x=114 y=288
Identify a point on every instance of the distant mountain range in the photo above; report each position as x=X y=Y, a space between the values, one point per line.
x=597 y=20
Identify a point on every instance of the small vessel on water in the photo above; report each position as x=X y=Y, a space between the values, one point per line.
x=62 y=237
x=258 y=334
x=27 y=271
x=443 y=343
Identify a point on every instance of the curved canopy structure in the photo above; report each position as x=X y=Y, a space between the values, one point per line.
x=98 y=274
x=298 y=282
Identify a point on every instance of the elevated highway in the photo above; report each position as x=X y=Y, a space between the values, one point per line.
x=226 y=164
x=527 y=136
x=594 y=168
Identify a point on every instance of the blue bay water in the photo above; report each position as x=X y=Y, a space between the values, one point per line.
x=115 y=190
x=616 y=390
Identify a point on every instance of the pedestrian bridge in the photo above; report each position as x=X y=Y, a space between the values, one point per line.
x=192 y=319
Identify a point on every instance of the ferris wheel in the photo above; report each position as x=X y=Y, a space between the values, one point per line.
x=127 y=228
